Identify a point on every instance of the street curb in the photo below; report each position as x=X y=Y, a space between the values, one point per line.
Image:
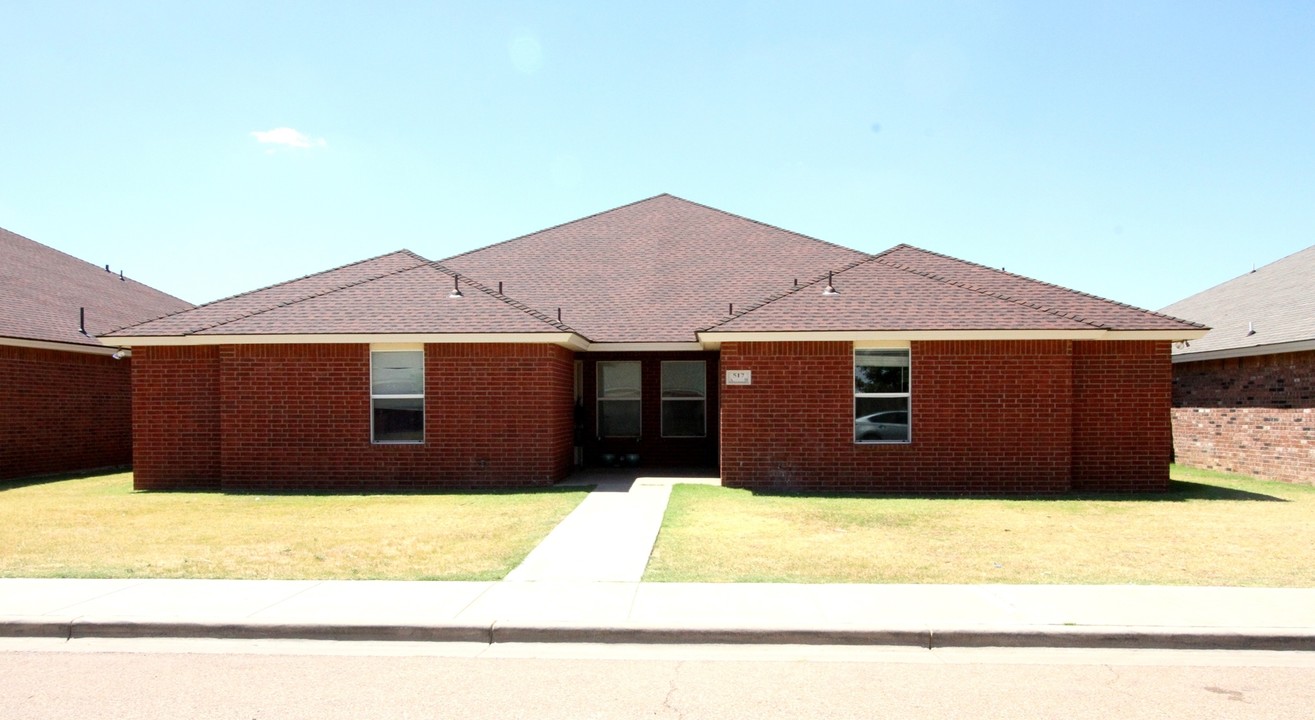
x=529 y=633
x=1114 y=637
x=1107 y=637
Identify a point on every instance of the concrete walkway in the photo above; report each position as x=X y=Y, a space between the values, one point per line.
x=610 y=535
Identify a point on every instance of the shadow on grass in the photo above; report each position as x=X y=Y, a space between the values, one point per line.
x=1179 y=491
x=31 y=480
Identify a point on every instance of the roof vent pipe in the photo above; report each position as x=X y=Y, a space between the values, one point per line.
x=82 y=320
x=456 y=287
x=121 y=278
x=830 y=287
x=499 y=287
x=559 y=314
x=730 y=309
x=1251 y=328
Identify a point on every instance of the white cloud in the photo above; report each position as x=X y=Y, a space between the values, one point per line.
x=287 y=137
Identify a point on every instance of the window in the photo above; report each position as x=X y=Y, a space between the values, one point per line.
x=684 y=398
x=618 y=399
x=881 y=396
x=397 y=396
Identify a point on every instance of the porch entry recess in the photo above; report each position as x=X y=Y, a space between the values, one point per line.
x=646 y=409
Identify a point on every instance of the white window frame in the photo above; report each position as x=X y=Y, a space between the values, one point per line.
x=703 y=432
x=599 y=399
x=424 y=410
x=907 y=395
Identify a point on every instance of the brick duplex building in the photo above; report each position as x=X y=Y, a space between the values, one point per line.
x=662 y=333
x=65 y=402
x=1244 y=395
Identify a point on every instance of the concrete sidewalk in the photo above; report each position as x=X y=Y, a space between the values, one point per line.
x=629 y=612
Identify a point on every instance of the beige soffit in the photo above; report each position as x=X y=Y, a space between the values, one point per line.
x=568 y=340
x=645 y=347
x=713 y=340
x=63 y=347
x=1300 y=346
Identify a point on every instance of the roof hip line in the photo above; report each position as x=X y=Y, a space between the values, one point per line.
x=981 y=291
x=312 y=296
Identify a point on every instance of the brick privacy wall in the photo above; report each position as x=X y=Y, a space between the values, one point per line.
x=986 y=417
x=1251 y=415
x=1122 y=434
x=653 y=449
x=63 y=411
x=175 y=418
x=297 y=418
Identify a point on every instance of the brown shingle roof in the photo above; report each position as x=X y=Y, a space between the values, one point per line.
x=41 y=290
x=658 y=270
x=906 y=288
x=1276 y=301
x=228 y=310
x=410 y=301
x=653 y=271
x=1090 y=308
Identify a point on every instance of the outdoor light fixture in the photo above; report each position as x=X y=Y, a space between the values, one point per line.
x=456 y=288
x=830 y=289
x=119 y=354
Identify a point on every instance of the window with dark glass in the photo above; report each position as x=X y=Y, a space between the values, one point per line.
x=881 y=396
x=619 y=399
x=684 y=398
x=397 y=396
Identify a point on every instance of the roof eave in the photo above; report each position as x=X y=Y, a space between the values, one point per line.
x=569 y=340
x=714 y=339
x=61 y=346
x=1249 y=351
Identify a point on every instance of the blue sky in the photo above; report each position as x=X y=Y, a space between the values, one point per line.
x=1141 y=151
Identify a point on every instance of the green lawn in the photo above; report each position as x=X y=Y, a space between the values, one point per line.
x=98 y=527
x=1210 y=529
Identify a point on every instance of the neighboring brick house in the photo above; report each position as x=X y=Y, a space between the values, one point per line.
x=65 y=403
x=1244 y=395
x=664 y=333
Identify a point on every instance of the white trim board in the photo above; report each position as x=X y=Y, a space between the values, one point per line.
x=63 y=347
x=1254 y=350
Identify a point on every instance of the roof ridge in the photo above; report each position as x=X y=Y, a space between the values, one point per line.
x=1238 y=278
x=981 y=291
x=550 y=227
x=790 y=291
x=271 y=287
x=506 y=299
x=1049 y=284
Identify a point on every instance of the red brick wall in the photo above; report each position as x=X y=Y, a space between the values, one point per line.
x=653 y=449
x=175 y=418
x=63 y=411
x=1251 y=415
x=986 y=417
x=297 y=417
x=1122 y=436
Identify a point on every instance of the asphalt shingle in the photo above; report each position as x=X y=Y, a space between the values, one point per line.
x=1267 y=306
x=654 y=271
x=42 y=289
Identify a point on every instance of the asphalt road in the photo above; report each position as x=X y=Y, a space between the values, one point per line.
x=251 y=679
